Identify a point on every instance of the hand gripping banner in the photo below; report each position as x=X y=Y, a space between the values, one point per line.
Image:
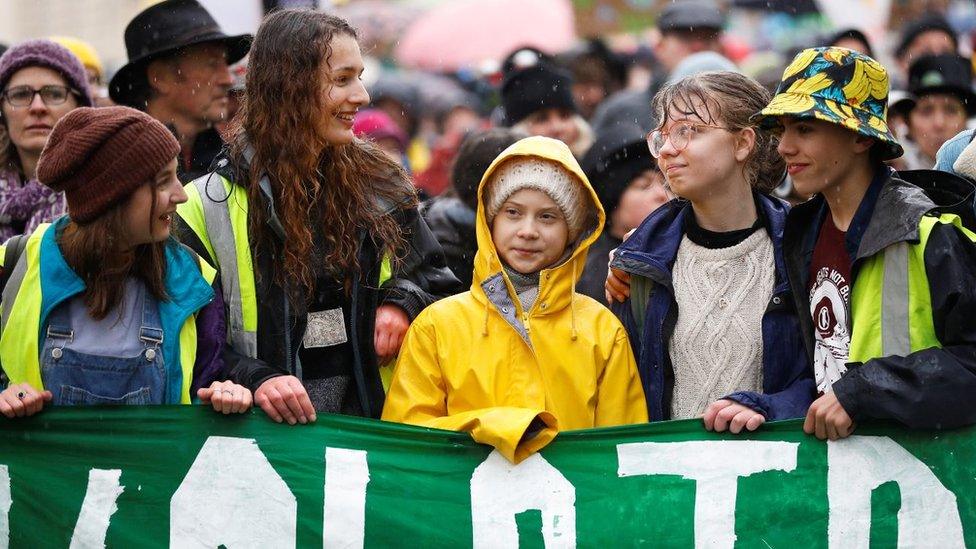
x=187 y=477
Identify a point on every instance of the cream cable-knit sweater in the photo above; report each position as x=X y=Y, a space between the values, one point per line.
x=717 y=348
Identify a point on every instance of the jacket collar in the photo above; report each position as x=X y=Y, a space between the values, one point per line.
x=652 y=249
x=895 y=215
x=237 y=169
x=865 y=211
x=889 y=212
x=187 y=294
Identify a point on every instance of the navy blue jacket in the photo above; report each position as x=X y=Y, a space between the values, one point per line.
x=788 y=384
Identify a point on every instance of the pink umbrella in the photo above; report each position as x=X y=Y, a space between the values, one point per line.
x=379 y=23
x=467 y=32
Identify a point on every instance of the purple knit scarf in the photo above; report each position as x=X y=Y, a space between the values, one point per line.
x=25 y=206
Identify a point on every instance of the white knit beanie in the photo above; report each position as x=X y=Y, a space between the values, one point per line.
x=549 y=177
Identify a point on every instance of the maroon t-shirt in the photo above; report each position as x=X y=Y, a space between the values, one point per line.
x=830 y=305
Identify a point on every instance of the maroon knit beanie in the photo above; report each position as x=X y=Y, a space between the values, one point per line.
x=98 y=157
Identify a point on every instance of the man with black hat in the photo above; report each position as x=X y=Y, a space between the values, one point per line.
x=686 y=27
x=939 y=102
x=178 y=73
x=928 y=35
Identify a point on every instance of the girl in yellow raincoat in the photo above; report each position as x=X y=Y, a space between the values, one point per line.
x=521 y=355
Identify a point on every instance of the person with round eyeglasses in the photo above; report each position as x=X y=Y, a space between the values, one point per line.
x=680 y=135
x=701 y=284
x=40 y=82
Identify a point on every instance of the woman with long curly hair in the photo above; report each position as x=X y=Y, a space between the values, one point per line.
x=323 y=257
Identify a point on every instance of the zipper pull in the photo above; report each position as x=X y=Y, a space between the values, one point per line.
x=525 y=320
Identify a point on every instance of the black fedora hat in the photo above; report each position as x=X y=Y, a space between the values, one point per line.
x=163 y=29
x=949 y=74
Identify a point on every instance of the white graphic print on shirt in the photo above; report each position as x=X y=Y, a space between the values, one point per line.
x=830 y=307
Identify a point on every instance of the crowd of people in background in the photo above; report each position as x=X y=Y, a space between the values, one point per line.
x=550 y=247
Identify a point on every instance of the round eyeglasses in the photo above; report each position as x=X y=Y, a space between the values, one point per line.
x=23 y=96
x=680 y=135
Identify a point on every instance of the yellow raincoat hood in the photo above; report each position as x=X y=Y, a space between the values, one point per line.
x=477 y=362
x=557 y=284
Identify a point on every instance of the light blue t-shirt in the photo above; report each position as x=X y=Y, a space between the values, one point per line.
x=118 y=332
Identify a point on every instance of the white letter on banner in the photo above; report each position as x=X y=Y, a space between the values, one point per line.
x=500 y=490
x=346 y=476
x=929 y=516
x=232 y=496
x=716 y=467
x=5 y=502
x=97 y=508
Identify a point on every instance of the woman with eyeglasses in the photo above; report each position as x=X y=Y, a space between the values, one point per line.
x=701 y=284
x=40 y=82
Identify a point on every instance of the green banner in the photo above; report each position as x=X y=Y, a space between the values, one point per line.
x=188 y=477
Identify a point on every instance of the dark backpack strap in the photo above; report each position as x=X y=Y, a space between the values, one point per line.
x=14 y=249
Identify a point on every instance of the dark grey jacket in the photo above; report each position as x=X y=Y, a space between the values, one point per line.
x=932 y=388
x=452 y=223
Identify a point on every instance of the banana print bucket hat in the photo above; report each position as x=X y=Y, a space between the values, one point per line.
x=839 y=86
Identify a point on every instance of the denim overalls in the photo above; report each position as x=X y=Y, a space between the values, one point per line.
x=77 y=378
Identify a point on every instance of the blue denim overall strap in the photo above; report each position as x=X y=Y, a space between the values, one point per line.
x=77 y=378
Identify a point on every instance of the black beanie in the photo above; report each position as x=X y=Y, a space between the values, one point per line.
x=928 y=22
x=536 y=88
x=617 y=157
